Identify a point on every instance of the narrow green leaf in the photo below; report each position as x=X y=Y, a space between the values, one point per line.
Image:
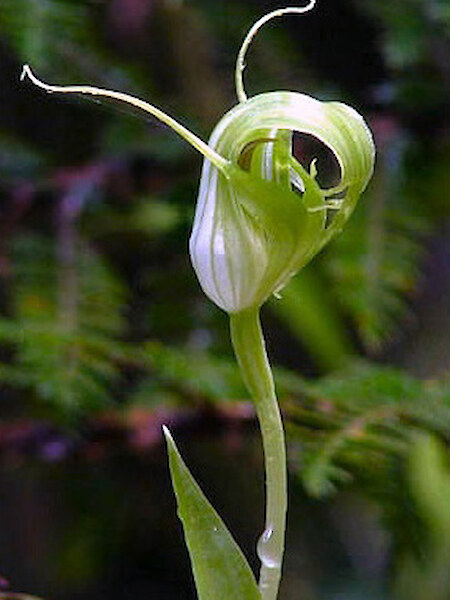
x=220 y=569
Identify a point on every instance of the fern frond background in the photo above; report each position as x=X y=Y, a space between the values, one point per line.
x=65 y=349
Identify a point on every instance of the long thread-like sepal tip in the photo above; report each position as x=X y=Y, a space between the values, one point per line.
x=217 y=160
x=25 y=72
x=279 y=12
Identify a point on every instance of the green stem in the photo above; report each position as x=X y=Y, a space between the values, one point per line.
x=250 y=350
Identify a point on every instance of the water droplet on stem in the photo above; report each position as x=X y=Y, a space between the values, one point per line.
x=267 y=550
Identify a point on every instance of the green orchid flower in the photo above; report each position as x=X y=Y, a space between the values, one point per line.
x=262 y=216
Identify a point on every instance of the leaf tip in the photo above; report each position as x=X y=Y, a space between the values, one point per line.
x=167 y=433
x=171 y=446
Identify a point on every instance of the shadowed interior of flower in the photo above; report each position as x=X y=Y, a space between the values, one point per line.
x=307 y=157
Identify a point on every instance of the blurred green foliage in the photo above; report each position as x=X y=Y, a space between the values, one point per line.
x=426 y=575
x=65 y=334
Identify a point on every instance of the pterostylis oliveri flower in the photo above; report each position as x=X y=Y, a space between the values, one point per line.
x=260 y=221
x=261 y=215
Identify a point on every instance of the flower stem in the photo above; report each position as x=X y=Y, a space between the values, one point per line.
x=250 y=350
